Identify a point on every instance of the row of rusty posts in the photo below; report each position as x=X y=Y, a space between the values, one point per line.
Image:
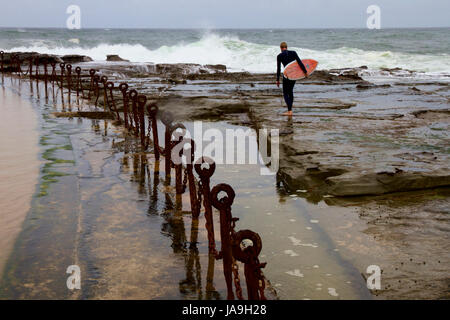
x=135 y=108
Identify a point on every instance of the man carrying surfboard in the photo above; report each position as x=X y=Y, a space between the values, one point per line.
x=286 y=57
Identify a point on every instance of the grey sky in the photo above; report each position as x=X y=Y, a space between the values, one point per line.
x=225 y=13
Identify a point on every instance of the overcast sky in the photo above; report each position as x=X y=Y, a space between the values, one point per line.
x=225 y=13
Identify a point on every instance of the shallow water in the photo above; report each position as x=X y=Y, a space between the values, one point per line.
x=19 y=166
x=102 y=206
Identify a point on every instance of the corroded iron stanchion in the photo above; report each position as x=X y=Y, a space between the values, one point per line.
x=252 y=267
x=53 y=75
x=167 y=119
x=79 y=84
x=104 y=80
x=110 y=86
x=69 y=79
x=176 y=157
x=63 y=69
x=123 y=87
x=205 y=168
x=152 y=111
x=142 y=100
x=195 y=204
x=91 y=84
x=45 y=63
x=2 y=53
x=133 y=119
x=96 y=88
x=18 y=65
x=36 y=61
x=224 y=206
x=30 y=67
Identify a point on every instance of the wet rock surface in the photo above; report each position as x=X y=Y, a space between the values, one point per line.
x=345 y=134
x=115 y=57
x=75 y=58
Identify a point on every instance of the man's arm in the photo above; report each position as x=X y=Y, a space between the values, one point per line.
x=278 y=68
x=300 y=63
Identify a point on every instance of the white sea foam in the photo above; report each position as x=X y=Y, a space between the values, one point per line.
x=239 y=55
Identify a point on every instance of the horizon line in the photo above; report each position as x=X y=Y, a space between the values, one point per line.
x=219 y=28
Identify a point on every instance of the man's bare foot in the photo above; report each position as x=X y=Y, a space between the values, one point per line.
x=289 y=113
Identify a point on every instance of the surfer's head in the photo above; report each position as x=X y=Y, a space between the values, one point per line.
x=283 y=46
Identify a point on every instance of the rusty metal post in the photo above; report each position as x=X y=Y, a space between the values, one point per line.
x=176 y=159
x=205 y=173
x=18 y=65
x=37 y=68
x=152 y=111
x=91 y=84
x=104 y=80
x=45 y=62
x=195 y=204
x=123 y=87
x=224 y=206
x=96 y=88
x=167 y=119
x=133 y=121
x=30 y=67
x=252 y=267
x=110 y=86
x=53 y=76
x=79 y=84
x=63 y=67
x=142 y=100
x=2 y=53
x=69 y=79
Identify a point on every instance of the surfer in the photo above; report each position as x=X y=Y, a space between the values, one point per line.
x=285 y=57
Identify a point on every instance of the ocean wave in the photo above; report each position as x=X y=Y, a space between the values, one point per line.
x=239 y=55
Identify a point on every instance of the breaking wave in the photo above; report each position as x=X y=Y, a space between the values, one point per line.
x=239 y=55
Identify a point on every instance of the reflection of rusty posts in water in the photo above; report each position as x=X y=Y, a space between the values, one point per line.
x=252 y=267
x=154 y=195
x=224 y=206
x=142 y=100
x=152 y=110
x=123 y=87
x=193 y=281
x=205 y=168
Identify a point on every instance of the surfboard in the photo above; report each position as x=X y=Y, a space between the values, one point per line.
x=293 y=71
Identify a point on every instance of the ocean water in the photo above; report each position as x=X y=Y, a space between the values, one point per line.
x=425 y=51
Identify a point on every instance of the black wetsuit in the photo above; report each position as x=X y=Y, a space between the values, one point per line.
x=285 y=58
